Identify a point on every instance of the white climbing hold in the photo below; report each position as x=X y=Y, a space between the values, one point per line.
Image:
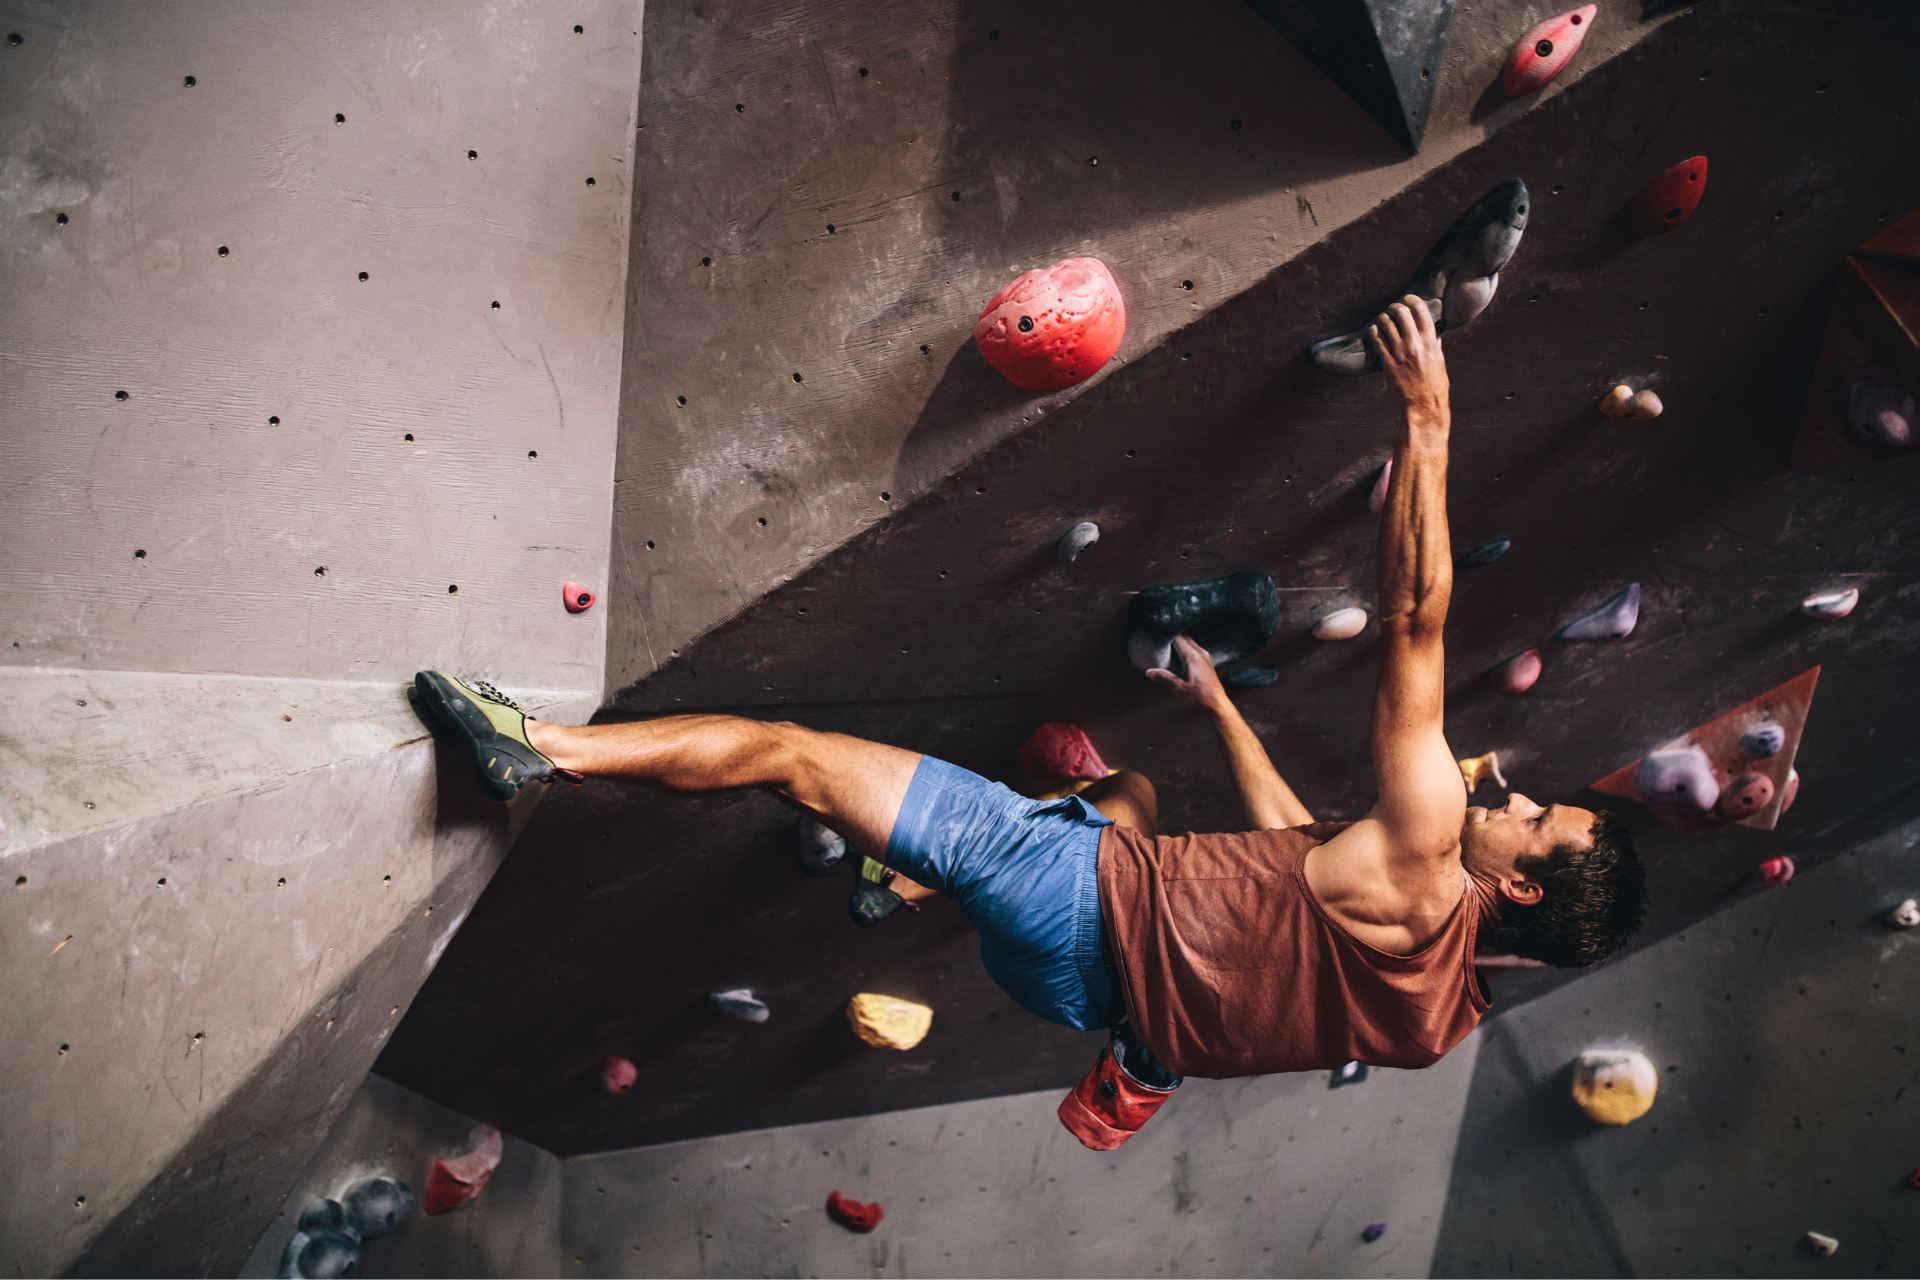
x=1614 y=1086
x=1825 y=1246
x=823 y=850
x=1377 y=500
x=741 y=1003
x=1905 y=916
x=1832 y=606
x=1341 y=624
x=1682 y=776
x=1078 y=539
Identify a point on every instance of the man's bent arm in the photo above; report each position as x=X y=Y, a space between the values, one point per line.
x=1421 y=801
x=1269 y=801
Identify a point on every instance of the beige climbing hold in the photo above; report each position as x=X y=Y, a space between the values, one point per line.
x=1341 y=624
x=1477 y=769
x=1825 y=1246
x=1905 y=916
x=887 y=1023
x=1624 y=402
x=1614 y=1086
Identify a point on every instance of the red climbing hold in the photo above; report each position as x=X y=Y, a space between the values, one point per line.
x=1776 y=870
x=1059 y=752
x=1668 y=200
x=1050 y=329
x=1914 y=1178
x=576 y=597
x=1517 y=674
x=1546 y=50
x=458 y=1179
x=853 y=1215
x=617 y=1074
x=1746 y=795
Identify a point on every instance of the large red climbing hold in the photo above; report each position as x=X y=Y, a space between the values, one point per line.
x=1668 y=200
x=1545 y=51
x=1050 y=329
x=617 y=1074
x=576 y=597
x=1746 y=795
x=458 y=1179
x=1060 y=752
x=853 y=1215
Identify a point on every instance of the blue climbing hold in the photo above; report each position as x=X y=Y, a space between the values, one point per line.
x=373 y=1206
x=1484 y=554
x=1764 y=742
x=1251 y=677
x=1610 y=621
x=1352 y=1073
x=1374 y=1230
x=1682 y=776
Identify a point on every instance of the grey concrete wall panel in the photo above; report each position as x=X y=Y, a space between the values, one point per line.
x=953 y=628
x=209 y=266
x=797 y=215
x=1783 y=1031
x=511 y=1229
x=1269 y=1176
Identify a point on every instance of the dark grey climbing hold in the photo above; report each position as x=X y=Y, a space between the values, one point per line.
x=373 y=1206
x=1386 y=54
x=1484 y=554
x=1231 y=618
x=1373 y=1231
x=1457 y=280
x=740 y=1003
x=1251 y=677
x=290 y=1257
x=1764 y=742
x=1611 y=621
x=1352 y=1073
x=1883 y=411
x=323 y=1215
x=328 y=1254
x=823 y=851
x=1078 y=539
x=1682 y=776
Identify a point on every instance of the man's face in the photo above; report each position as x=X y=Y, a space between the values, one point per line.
x=1492 y=841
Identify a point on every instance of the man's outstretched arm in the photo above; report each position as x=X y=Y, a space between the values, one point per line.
x=1422 y=802
x=1269 y=801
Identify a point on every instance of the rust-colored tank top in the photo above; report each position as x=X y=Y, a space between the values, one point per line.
x=1231 y=967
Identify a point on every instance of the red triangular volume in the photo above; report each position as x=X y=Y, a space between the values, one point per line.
x=1873 y=331
x=1901 y=240
x=1731 y=745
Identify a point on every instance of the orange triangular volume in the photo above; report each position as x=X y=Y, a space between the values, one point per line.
x=1785 y=706
x=1901 y=240
x=1873 y=330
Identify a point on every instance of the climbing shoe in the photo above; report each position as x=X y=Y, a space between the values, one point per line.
x=487 y=723
x=1126 y=1086
x=872 y=901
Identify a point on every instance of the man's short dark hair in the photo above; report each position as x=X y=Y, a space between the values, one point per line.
x=1593 y=901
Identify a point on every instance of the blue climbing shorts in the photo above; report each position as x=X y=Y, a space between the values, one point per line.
x=1026 y=874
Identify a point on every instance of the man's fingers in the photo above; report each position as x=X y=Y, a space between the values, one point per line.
x=1385 y=336
x=1422 y=317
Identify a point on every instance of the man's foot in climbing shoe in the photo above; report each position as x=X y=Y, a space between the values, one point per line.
x=872 y=901
x=490 y=725
x=1110 y=1104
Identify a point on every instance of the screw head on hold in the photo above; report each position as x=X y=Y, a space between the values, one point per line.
x=576 y=597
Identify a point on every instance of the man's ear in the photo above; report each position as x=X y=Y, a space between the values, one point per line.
x=1521 y=890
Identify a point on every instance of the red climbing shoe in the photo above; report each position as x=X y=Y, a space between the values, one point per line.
x=1108 y=1106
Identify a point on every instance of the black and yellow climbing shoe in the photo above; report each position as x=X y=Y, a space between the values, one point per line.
x=489 y=724
x=872 y=901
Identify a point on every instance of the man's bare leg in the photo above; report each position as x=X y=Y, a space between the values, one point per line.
x=1127 y=798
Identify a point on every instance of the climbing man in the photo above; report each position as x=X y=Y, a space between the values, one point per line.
x=1291 y=946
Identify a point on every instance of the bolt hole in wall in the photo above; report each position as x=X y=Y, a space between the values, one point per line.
x=14 y=37
x=191 y=82
x=473 y=155
x=453 y=589
x=121 y=395
x=363 y=277
x=223 y=251
x=140 y=555
x=577 y=30
x=273 y=421
x=533 y=453
x=496 y=306
x=408 y=437
x=682 y=400
x=60 y=218
x=339 y=118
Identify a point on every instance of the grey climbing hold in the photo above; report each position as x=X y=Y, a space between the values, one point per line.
x=1484 y=554
x=1251 y=677
x=323 y=1215
x=328 y=1254
x=1610 y=621
x=1078 y=539
x=1883 y=411
x=1352 y=1073
x=740 y=1003
x=1832 y=606
x=373 y=1206
x=1825 y=1246
x=1457 y=280
x=1682 y=776
x=1765 y=742
x=822 y=850
x=1231 y=618
x=1905 y=916
x=1386 y=54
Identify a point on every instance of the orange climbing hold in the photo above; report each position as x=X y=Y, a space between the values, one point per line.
x=1545 y=51
x=1050 y=329
x=1668 y=200
x=853 y=1215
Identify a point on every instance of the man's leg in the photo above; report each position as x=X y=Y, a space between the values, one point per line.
x=1127 y=798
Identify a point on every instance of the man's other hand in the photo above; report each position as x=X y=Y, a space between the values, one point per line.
x=1202 y=686
x=1410 y=353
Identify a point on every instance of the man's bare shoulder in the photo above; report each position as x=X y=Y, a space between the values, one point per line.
x=1383 y=895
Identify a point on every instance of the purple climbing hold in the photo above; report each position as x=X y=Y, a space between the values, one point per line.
x=1883 y=411
x=1765 y=742
x=1377 y=500
x=1517 y=674
x=1610 y=621
x=1484 y=554
x=1746 y=795
x=1682 y=776
x=1373 y=1231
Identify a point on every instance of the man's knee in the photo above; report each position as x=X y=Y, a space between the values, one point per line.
x=1128 y=798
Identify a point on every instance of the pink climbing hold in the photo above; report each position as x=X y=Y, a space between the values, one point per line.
x=1776 y=870
x=1682 y=776
x=617 y=1074
x=1517 y=674
x=1050 y=329
x=852 y=1214
x=1790 y=792
x=1377 y=500
x=1831 y=606
x=1059 y=752
x=1748 y=794
x=576 y=597
x=1545 y=51
x=458 y=1179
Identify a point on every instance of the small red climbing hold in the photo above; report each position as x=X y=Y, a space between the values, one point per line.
x=576 y=597
x=1060 y=752
x=617 y=1074
x=853 y=1215
x=1544 y=52
x=1517 y=674
x=1050 y=329
x=1776 y=870
x=1668 y=200
x=457 y=1179
x=1748 y=794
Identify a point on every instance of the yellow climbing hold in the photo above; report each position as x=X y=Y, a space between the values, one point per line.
x=1614 y=1086
x=1477 y=769
x=887 y=1023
